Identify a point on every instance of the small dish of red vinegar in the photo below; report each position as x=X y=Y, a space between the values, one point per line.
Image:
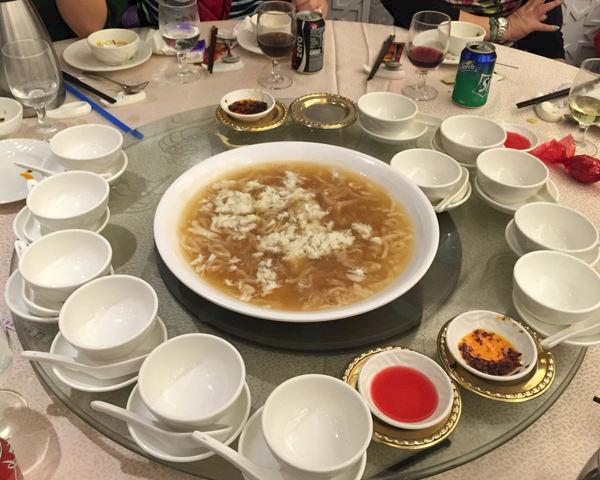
x=406 y=389
x=520 y=138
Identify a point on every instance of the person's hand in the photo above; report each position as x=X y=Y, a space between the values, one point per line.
x=529 y=18
x=320 y=5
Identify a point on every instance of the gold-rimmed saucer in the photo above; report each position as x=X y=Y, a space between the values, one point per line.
x=324 y=111
x=398 y=437
x=275 y=119
x=521 y=390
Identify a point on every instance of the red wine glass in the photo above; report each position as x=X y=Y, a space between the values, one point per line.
x=428 y=39
x=275 y=35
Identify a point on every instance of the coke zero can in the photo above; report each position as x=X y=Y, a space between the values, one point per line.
x=307 y=56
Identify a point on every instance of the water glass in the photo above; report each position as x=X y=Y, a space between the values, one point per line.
x=33 y=77
x=179 y=25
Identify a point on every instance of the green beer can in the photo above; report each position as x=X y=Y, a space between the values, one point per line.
x=474 y=74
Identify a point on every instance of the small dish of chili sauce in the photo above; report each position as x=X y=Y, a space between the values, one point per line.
x=248 y=106
x=516 y=141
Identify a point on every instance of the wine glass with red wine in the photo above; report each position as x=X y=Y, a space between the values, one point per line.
x=275 y=34
x=428 y=39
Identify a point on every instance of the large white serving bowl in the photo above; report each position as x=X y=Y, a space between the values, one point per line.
x=466 y=136
x=316 y=426
x=556 y=287
x=399 y=187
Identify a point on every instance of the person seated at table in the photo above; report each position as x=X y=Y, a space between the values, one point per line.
x=79 y=18
x=212 y=10
x=530 y=25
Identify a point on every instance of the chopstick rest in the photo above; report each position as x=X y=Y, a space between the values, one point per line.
x=123 y=99
x=70 y=110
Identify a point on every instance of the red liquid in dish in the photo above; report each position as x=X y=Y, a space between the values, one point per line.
x=516 y=141
x=404 y=394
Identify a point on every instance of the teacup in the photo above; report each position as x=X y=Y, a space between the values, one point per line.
x=109 y=317
x=191 y=380
x=462 y=33
x=510 y=176
x=435 y=173
x=114 y=46
x=316 y=426
x=59 y=263
x=90 y=147
x=556 y=288
x=385 y=113
x=68 y=200
x=464 y=137
x=552 y=226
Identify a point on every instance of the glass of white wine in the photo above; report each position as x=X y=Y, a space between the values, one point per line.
x=584 y=102
x=179 y=24
x=33 y=77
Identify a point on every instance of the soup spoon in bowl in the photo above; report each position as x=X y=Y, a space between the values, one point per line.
x=462 y=189
x=177 y=439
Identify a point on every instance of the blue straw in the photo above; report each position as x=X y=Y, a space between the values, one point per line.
x=102 y=111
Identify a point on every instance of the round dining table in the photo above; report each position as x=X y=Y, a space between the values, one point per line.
x=57 y=444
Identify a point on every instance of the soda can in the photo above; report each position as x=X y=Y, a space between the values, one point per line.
x=307 y=56
x=474 y=74
x=9 y=470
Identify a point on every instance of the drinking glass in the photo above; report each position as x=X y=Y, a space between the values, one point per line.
x=584 y=102
x=428 y=40
x=275 y=34
x=179 y=25
x=13 y=406
x=33 y=77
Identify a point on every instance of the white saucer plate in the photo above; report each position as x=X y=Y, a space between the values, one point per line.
x=235 y=417
x=79 y=55
x=588 y=339
x=247 y=40
x=549 y=193
x=436 y=144
x=253 y=446
x=26 y=150
x=412 y=133
x=19 y=224
x=52 y=163
x=13 y=297
x=33 y=231
x=87 y=383
x=511 y=238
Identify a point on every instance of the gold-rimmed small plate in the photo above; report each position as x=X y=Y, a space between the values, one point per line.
x=324 y=111
x=522 y=390
x=398 y=437
x=275 y=119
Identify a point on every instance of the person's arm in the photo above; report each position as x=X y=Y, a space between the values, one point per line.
x=83 y=16
x=403 y=10
x=548 y=44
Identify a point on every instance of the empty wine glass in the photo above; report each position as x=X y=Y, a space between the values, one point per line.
x=179 y=24
x=275 y=34
x=32 y=76
x=428 y=40
x=584 y=102
x=13 y=406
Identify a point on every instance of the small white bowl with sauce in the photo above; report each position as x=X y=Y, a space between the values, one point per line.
x=430 y=377
x=247 y=94
x=519 y=338
x=522 y=131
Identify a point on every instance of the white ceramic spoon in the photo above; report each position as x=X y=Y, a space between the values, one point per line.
x=569 y=332
x=235 y=458
x=443 y=204
x=102 y=372
x=178 y=439
x=46 y=172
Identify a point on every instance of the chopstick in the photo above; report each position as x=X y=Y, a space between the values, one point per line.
x=384 y=48
x=507 y=65
x=544 y=98
x=212 y=48
x=74 y=80
x=596 y=399
x=100 y=110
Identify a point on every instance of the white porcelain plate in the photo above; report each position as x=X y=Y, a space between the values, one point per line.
x=52 y=163
x=247 y=40
x=412 y=133
x=13 y=296
x=80 y=56
x=253 y=446
x=235 y=417
x=588 y=339
x=31 y=229
x=87 y=383
x=13 y=186
x=549 y=193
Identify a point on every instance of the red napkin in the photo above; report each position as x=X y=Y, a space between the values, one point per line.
x=583 y=168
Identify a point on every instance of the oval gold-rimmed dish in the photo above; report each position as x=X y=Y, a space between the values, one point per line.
x=398 y=437
x=522 y=390
x=274 y=119
x=325 y=111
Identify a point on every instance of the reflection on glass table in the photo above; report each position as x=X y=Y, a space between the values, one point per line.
x=472 y=270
